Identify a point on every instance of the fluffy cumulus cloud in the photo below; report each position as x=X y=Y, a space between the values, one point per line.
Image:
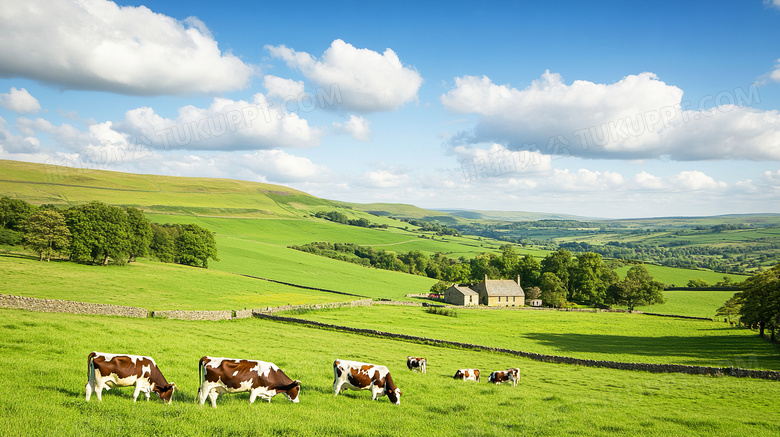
x=279 y=87
x=368 y=81
x=19 y=101
x=357 y=127
x=637 y=117
x=98 y=45
x=498 y=161
x=684 y=181
x=224 y=125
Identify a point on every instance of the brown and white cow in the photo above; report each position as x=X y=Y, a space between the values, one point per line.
x=112 y=370
x=416 y=363
x=467 y=374
x=498 y=377
x=230 y=375
x=362 y=376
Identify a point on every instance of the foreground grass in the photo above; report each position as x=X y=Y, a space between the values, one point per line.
x=598 y=336
x=43 y=357
x=147 y=284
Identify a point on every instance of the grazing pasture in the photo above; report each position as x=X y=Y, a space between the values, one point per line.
x=597 y=336
x=693 y=303
x=43 y=357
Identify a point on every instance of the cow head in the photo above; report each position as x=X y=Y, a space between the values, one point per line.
x=165 y=391
x=293 y=392
x=394 y=395
x=458 y=374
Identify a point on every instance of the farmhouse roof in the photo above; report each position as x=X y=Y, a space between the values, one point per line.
x=466 y=291
x=503 y=287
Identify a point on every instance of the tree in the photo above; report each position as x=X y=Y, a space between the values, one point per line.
x=761 y=301
x=195 y=245
x=590 y=278
x=14 y=213
x=532 y=293
x=638 y=288
x=99 y=233
x=46 y=234
x=560 y=263
x=140 y=233
x=553 y=291
x=439 y=287
x=509 y=261
x=163 y=242
x=529 y=270
x=697 y=283
x=731 y=307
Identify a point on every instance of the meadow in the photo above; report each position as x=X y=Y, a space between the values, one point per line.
x=597 y=336
x=43 y=357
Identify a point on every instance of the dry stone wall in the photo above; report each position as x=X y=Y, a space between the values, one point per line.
x=68 y=306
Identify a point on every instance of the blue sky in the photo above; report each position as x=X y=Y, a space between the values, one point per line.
x=600 y=109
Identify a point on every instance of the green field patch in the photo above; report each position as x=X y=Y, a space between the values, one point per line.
x=44 y=388
x=597 y=336
x=148 y=284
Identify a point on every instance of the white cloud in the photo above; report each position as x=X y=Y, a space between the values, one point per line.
x=499 y=161
x=648 y=181
x=98 y=45
x=281 y=167
x=357 y=127
x=775 y=74
x=225 y=125
x=19 y=101
x=279 y=87
x=772 y=3
x=586 y=180
x=368 y=81
x=385 y=178
x=637 y=117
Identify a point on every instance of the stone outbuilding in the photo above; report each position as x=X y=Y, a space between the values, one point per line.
x=500 y=292
x=536 y=302
x=461 y=295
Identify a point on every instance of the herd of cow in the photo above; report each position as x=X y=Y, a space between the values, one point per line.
x=259 y=378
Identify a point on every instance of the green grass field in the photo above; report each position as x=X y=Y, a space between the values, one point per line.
x=690 y=303
x=680 y=277
x=598 y=336
x=43 y=357
x=148 y=284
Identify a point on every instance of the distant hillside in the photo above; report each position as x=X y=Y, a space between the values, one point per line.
x=512 y=216
x=40 y=184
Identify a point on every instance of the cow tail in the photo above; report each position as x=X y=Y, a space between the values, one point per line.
x=91 y=368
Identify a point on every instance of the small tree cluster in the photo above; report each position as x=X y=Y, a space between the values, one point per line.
x=760 y=301
x=100 y=233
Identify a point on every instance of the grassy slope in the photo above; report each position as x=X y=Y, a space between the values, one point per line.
x=49 y=355
x=599 y=336
x=680 y=277
x=147 y=284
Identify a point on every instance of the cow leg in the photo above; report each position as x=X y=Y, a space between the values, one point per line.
x=89 y=389
x=137 y=391
x=99 y=390
x=337 y=387
x=252 y=396
x=213 y=396
x=423 y=367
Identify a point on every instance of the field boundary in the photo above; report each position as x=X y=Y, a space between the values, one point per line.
x=99 y=309
x=645 y=367
x=305 y=287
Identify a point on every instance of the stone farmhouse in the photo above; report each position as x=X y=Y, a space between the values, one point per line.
x=461 y=295
x=490 y=292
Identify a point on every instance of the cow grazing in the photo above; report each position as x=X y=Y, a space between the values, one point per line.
x=259 y=378
x=416 y=363
x=361 y=376
x=111 y=370
x=467 y=374
x=505 y=375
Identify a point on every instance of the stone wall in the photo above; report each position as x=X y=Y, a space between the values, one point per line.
x=68 y=306
x=646 y=367
x=318 y=306
x=194 y=315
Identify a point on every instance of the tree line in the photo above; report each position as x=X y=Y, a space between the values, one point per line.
x=557 y=279
x=98 y=233
x=340 y=217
